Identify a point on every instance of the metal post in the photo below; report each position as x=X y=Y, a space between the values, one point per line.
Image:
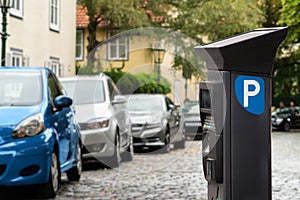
x=4 y=34
x=158 y=75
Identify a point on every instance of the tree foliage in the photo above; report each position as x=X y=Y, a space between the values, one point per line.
x=122 y=15
x=286 y=79
x=211 y=20
x=216 y=19
x=138 y=83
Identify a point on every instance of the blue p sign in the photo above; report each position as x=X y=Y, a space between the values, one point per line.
x=250 y=91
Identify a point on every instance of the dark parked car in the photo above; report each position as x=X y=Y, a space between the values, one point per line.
x=39 y=136
x=155 y=122
x=286 y=118
x=190 y=119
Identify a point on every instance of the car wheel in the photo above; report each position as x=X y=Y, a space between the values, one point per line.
x=166 y=147
x=74 y=173
x=115 y=160
x=286 y=127
x=180 y=144
x=127 y=156
x=50 y=189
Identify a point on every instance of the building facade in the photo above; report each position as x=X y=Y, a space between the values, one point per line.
x=133 y=53
x=42 y=33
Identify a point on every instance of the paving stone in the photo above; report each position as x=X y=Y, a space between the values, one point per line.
x=179 y=175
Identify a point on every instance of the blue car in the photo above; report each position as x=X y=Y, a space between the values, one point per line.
x=39 y=137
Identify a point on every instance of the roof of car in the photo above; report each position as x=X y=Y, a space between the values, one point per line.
x=145 y=95
x=84 y=77
x=6 y=68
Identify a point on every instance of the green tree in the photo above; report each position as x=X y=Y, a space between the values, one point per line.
x=209 y=20
x=138 y=83
x=215 y=19
x=122 y=15
x=287 y=64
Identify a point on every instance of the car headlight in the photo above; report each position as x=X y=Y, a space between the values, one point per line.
x=98 y=124
x=31 y=126
x=278 y=120
x=154 y=125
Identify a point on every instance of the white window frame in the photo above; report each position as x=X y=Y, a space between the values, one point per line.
x=17 y=11
x=54 y=14
x=116 y=43
x=55 y=66
x=16 y=57
x=80 y=44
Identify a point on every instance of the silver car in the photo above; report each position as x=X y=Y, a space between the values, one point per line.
x=155 y=122
x=103 y=118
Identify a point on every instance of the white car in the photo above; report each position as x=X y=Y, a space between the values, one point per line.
x=103 y=118
x=155 y=122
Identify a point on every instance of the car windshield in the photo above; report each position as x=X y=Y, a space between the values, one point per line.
x=145 y=103
x=85 y=91
x=191 y=109
x=20 y=89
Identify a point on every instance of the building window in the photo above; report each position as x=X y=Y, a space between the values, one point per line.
x=16 y=59
x=54 y=14
x=79 y=45
x=17 y=8
x=118 y=49
x=55 y=66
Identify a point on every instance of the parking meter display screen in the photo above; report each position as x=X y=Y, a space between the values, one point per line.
x=205 y=99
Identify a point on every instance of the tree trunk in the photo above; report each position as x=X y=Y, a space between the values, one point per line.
x=92 y=39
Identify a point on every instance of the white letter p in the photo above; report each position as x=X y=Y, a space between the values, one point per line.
x=248 y=93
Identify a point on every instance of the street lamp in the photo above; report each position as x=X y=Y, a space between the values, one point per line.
x=4 y=5
x=159 y=54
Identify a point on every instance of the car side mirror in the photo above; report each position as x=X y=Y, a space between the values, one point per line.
x=62 y=101
x=171 y=107
x=119 y=99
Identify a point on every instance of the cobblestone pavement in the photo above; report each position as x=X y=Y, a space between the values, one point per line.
x=178 y=175
x=286 y=165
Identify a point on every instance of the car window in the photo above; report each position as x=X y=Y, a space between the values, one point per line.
x=146 y=103
x=169 y=102
x=20 y=89
x=85 y=91
x=191 y=108
x=113 y=90
x=53 y=88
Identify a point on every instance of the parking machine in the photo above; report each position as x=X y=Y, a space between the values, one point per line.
x=235 y=110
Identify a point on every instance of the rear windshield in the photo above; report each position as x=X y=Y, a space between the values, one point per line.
x=145 y=103
x=85 y=91
x=20 y=88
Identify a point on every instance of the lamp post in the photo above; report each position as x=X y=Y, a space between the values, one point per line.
x=4 y=5
x=159 y=54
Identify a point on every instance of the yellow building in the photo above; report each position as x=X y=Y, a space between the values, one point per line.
x=42 y=33
x=133 y=53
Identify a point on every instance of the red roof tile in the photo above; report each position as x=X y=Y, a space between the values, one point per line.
x=82 y=19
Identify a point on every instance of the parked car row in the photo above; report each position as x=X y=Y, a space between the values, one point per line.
x=50 y=126
x=286 y=118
